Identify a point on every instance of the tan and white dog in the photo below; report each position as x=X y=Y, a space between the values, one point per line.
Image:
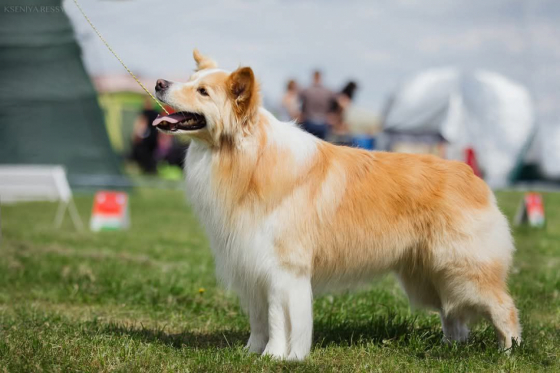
x=289 y=216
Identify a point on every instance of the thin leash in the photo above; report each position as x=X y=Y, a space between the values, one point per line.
x=118 y=58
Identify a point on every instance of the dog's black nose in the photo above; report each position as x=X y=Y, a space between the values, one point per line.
x=162 y=84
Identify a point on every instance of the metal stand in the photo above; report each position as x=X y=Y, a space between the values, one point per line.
x=76 y=220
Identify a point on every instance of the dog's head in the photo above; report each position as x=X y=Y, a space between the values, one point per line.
x=213 y=106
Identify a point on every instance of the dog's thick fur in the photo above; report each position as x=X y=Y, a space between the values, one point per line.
x=289 y=216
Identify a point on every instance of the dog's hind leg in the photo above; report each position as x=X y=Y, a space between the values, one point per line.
x=419 y=288
x=421 y=291
x=481 y=288
x=454 y=328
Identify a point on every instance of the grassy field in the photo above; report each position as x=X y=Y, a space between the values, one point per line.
x=147 y=300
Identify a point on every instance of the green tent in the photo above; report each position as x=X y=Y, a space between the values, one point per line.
x=49 y=113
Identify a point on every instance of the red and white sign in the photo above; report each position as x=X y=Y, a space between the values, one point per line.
x=531 y=210
x=110 y=211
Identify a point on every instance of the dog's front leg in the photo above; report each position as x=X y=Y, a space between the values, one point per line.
x=290 y=316
x=300 y=314
x=258 y=318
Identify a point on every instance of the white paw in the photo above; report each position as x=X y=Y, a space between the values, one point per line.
x=274 y=350
x=458 y=333
x=455 y=339
x=296 y=357
x=256 y=344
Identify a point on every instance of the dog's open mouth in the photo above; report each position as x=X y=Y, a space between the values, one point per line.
x=182 y=120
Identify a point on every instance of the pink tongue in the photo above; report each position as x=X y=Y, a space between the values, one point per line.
x=171 y=118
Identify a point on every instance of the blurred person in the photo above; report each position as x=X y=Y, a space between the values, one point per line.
x=316 y=102
x=340 y=133
x=171 y=150
x=165 y=143
x=344 y=99
x=290 y=103
x=145 y=139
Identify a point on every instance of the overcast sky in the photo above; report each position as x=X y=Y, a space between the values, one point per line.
x=377 y=43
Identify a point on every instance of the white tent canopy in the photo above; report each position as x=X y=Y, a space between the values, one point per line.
x=483 y=110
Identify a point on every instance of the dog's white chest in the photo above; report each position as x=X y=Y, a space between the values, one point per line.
x=240 y=250
x=198 y=167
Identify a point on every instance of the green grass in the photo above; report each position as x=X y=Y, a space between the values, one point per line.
x=147 y=300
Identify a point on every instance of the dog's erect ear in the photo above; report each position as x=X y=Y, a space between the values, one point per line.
x=203 y=62
x=244 y=91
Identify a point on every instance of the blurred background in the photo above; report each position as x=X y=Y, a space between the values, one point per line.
x=475 y=80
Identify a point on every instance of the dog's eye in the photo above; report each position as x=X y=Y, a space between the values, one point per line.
x=202 y=91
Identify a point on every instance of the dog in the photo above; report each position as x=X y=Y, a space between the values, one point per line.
x=290 y=216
